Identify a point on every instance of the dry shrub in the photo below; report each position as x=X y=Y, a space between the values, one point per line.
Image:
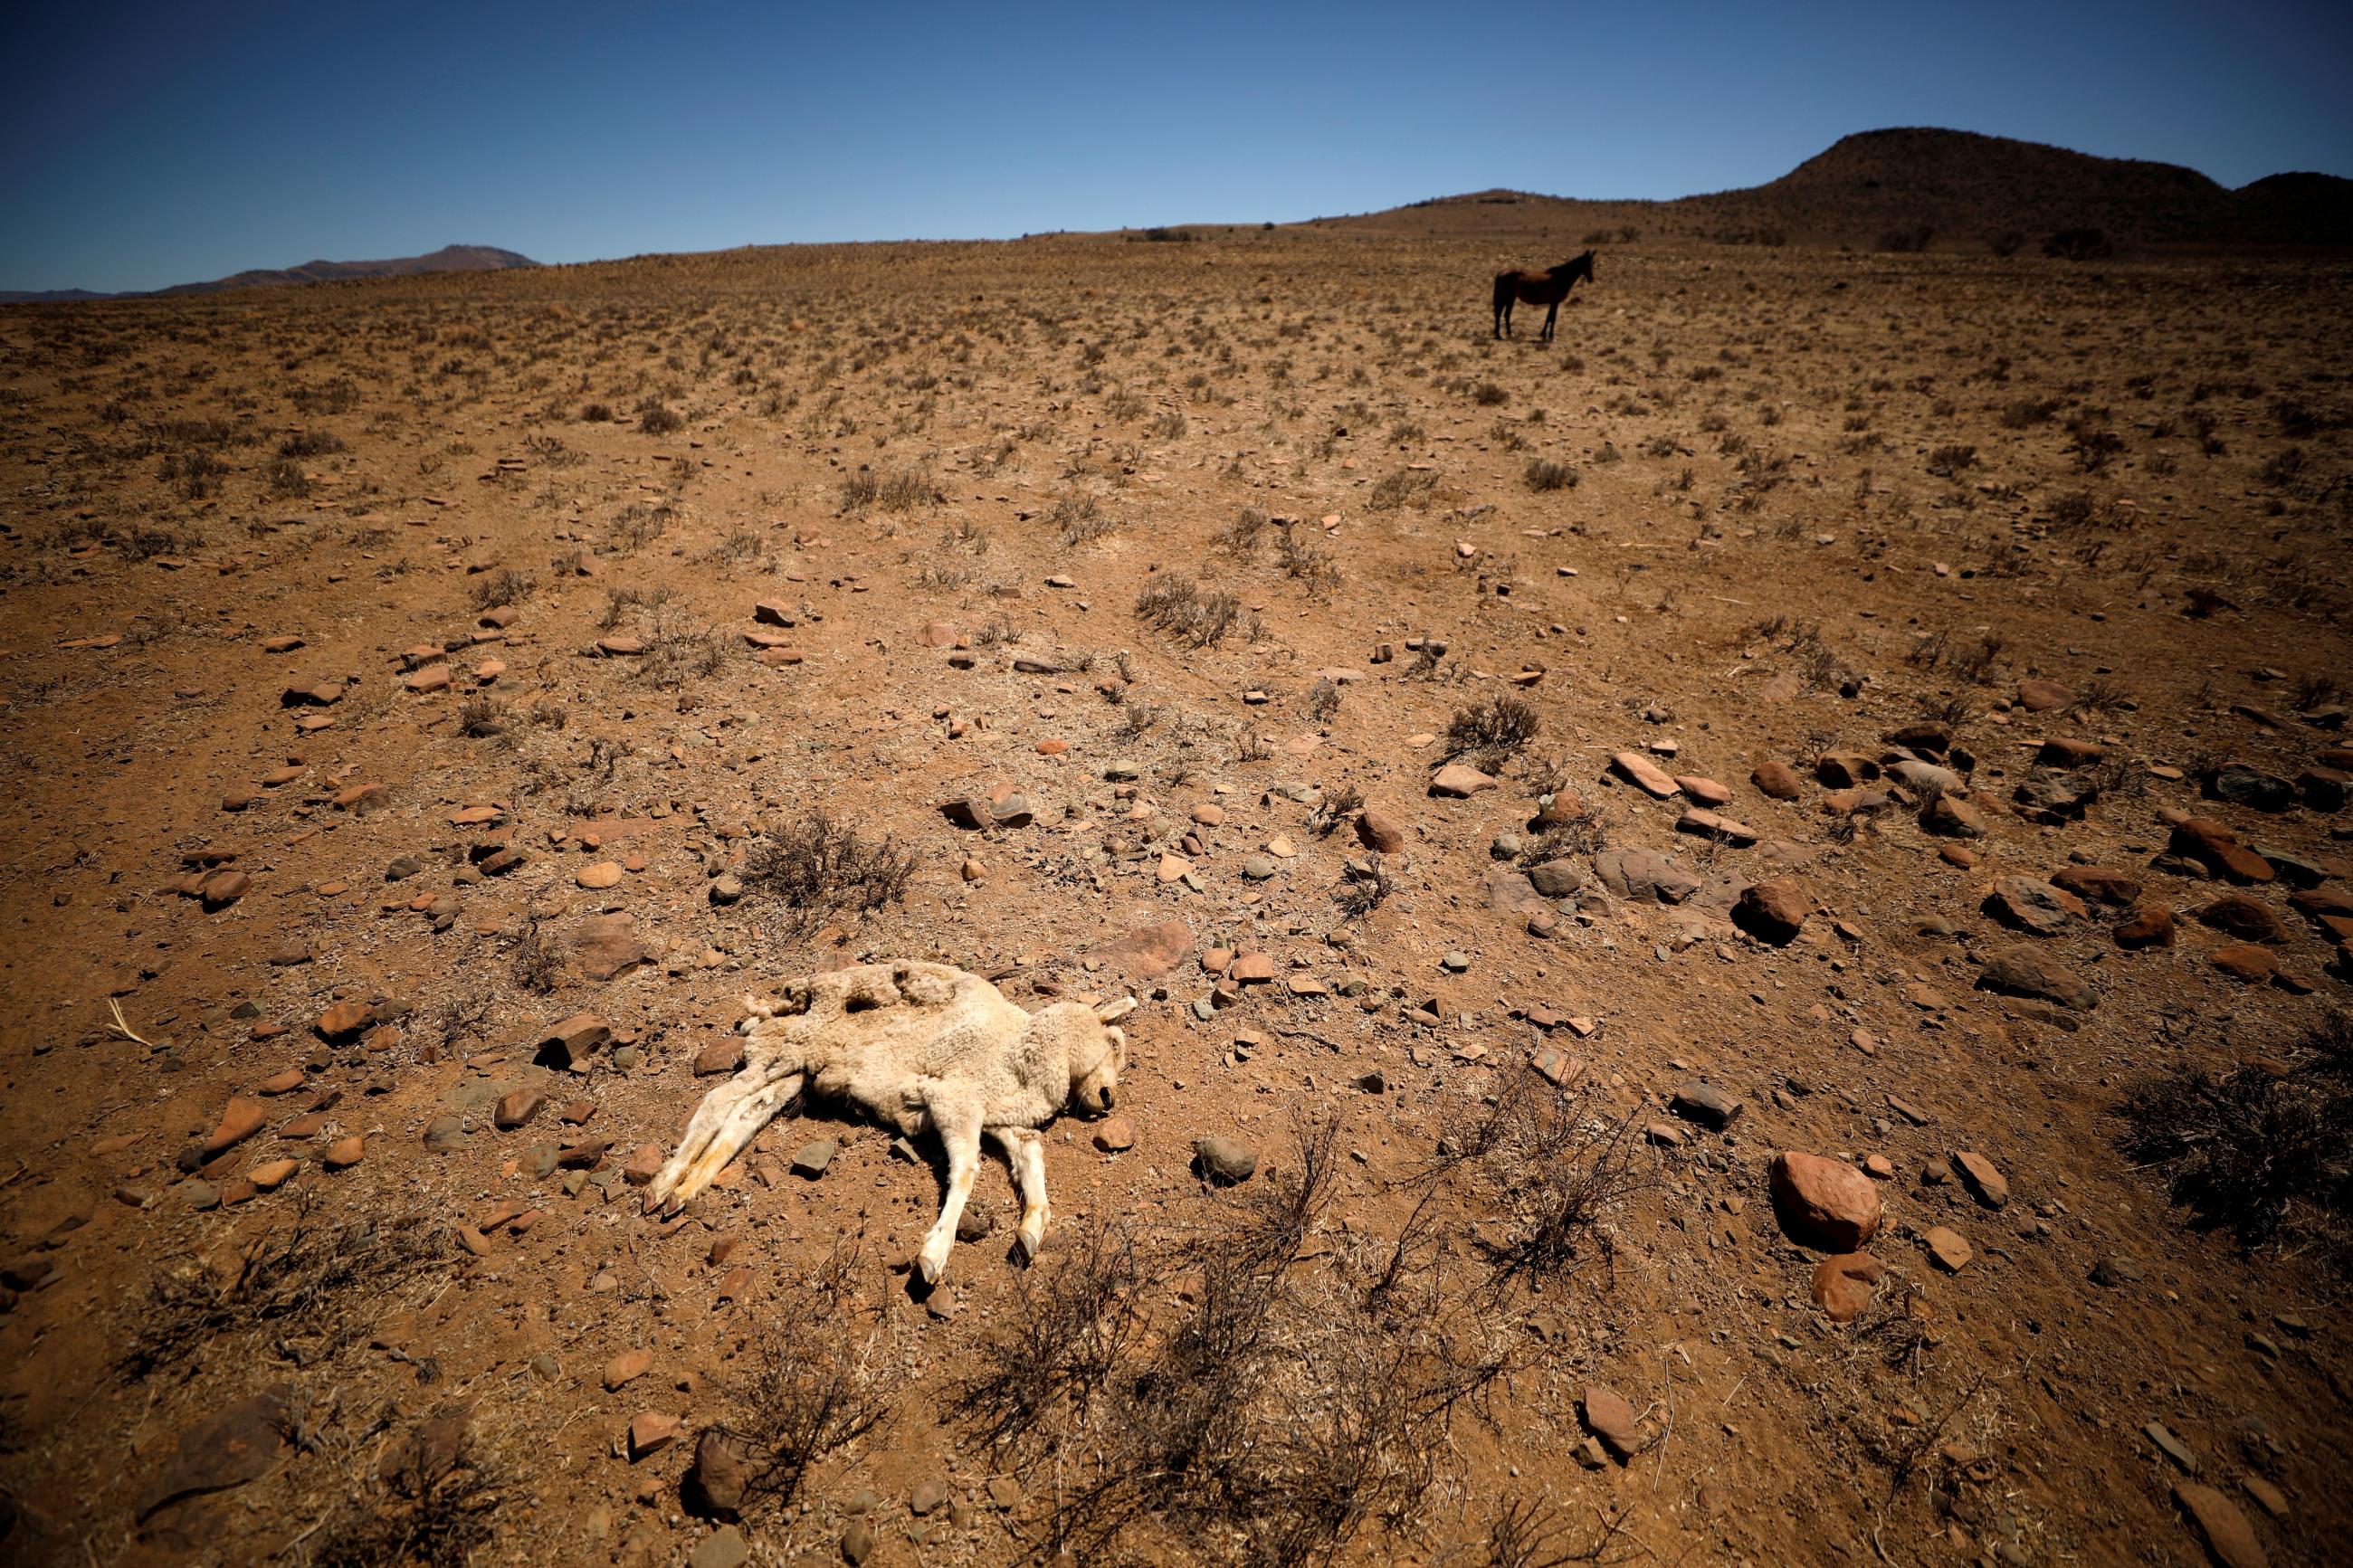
x=312 y=1290
x=817 y=1382
x=1551 y=1163
x=1304 y=564
x=1176 y=604
x=1492 y=729
x=2267 y=1156
x=434 y=1508
x=1209 y=1393
x=818 y=866
x=1543 y=474
x=1407 y=486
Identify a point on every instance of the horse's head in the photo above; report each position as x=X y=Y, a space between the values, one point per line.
x=1579 y=267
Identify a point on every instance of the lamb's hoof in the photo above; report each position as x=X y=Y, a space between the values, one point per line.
x=1032 y=1243
x=932 y=1267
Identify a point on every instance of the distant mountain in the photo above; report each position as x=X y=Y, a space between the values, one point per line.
x=449 y=258
x=1958 y=189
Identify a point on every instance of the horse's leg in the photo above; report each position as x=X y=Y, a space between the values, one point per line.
x=1550 y=317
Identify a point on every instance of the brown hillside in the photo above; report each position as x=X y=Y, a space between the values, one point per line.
x=1959 y=189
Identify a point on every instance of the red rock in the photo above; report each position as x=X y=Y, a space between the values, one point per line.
x=1776 y=779
x=1771 y=912
x=1824 y=1203
x=517 y=1107
x=600 y=875
x=1379 y=830
x=626 y=1368
x=1149 y=952
x=1252 y=968
x=2235 y=914
x=1609 y=1418
x=285 y=1082
x=1702 y=790
x=1643 y=773
x=1845 y=770
x=1844 y=1284
x=2094 y=885
x=1114 y=1134
x=2244 y=961
x=432 y=677
x=644 y=1164
x=776 y=613
x=240 y=1120
x=720 y=1055
x=2043 y=696
x=650 y=1432
x=344 y=1019
x=2152 y=925
x=2214 y=847
x=1949 y=1250
x=345 y=1152
x=2228 y=1534
x=1458 y=782
x=270 y=1174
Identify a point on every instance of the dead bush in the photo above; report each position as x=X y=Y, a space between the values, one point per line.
x=1492 y=729
x=816 y=867
x=1175 y=604
x=313 y=1291
x=434 y=1508
x=1553 y=1163
x=818 y=1379
x=2267 y=1156
x=1407 y=486
x=1226 y=1392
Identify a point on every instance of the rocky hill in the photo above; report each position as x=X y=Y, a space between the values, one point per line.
x=449 y=258
x=1901 y=189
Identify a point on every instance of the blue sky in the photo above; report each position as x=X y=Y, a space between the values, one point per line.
x=153 y=144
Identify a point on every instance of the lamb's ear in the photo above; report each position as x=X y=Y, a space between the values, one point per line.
x=754 y=1008
x=1113 y=1011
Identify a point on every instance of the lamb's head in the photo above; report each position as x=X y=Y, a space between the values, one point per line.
x=1093 y=1045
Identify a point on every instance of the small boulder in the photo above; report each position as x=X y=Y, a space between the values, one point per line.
x=1823 y=1203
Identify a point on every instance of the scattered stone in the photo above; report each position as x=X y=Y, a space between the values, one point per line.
x=1114 y=1135
x=810 y=1161
x=1985 y=1184
x=1823 y=1203
x=517 y=1107
x=1224 y=1162
x=240 y=1119
x=568 y=1045
x=2021 y=970
x=1777 y=779
x=1612 y=1419
x=724 y=1055
x=1643 y=774
x=1844 y=1283
x=2235 y=914
x=2043 y=696
x=1844 y=769
x=2096 y=886
x=2150 y=926
x=650 y=1432
x=2026 y=904
x=1708 y=1105
x=2242 y=785
x=2227 y=1532
x=626 y=1368
x=2246 y=962
x=1948 y=816
x=1771 y=912
x=2214 y=847
x=1946 y=1247
x=1641 y=874
x=1458 y=782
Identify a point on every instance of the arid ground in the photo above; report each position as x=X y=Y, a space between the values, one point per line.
x=397 y=672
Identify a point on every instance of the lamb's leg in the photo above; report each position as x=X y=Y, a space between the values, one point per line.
x=729 y=1117
x=1035 y=1210
x=1025 y=1154
x=959 y=1125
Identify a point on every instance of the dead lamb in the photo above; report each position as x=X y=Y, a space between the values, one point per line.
x=915 y=1046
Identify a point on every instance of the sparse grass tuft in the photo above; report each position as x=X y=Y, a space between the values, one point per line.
x=1492 y=729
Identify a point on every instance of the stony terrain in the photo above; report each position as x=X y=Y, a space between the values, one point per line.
x=1655 y=869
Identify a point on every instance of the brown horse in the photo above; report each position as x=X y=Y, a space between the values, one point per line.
x=1538 y=289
